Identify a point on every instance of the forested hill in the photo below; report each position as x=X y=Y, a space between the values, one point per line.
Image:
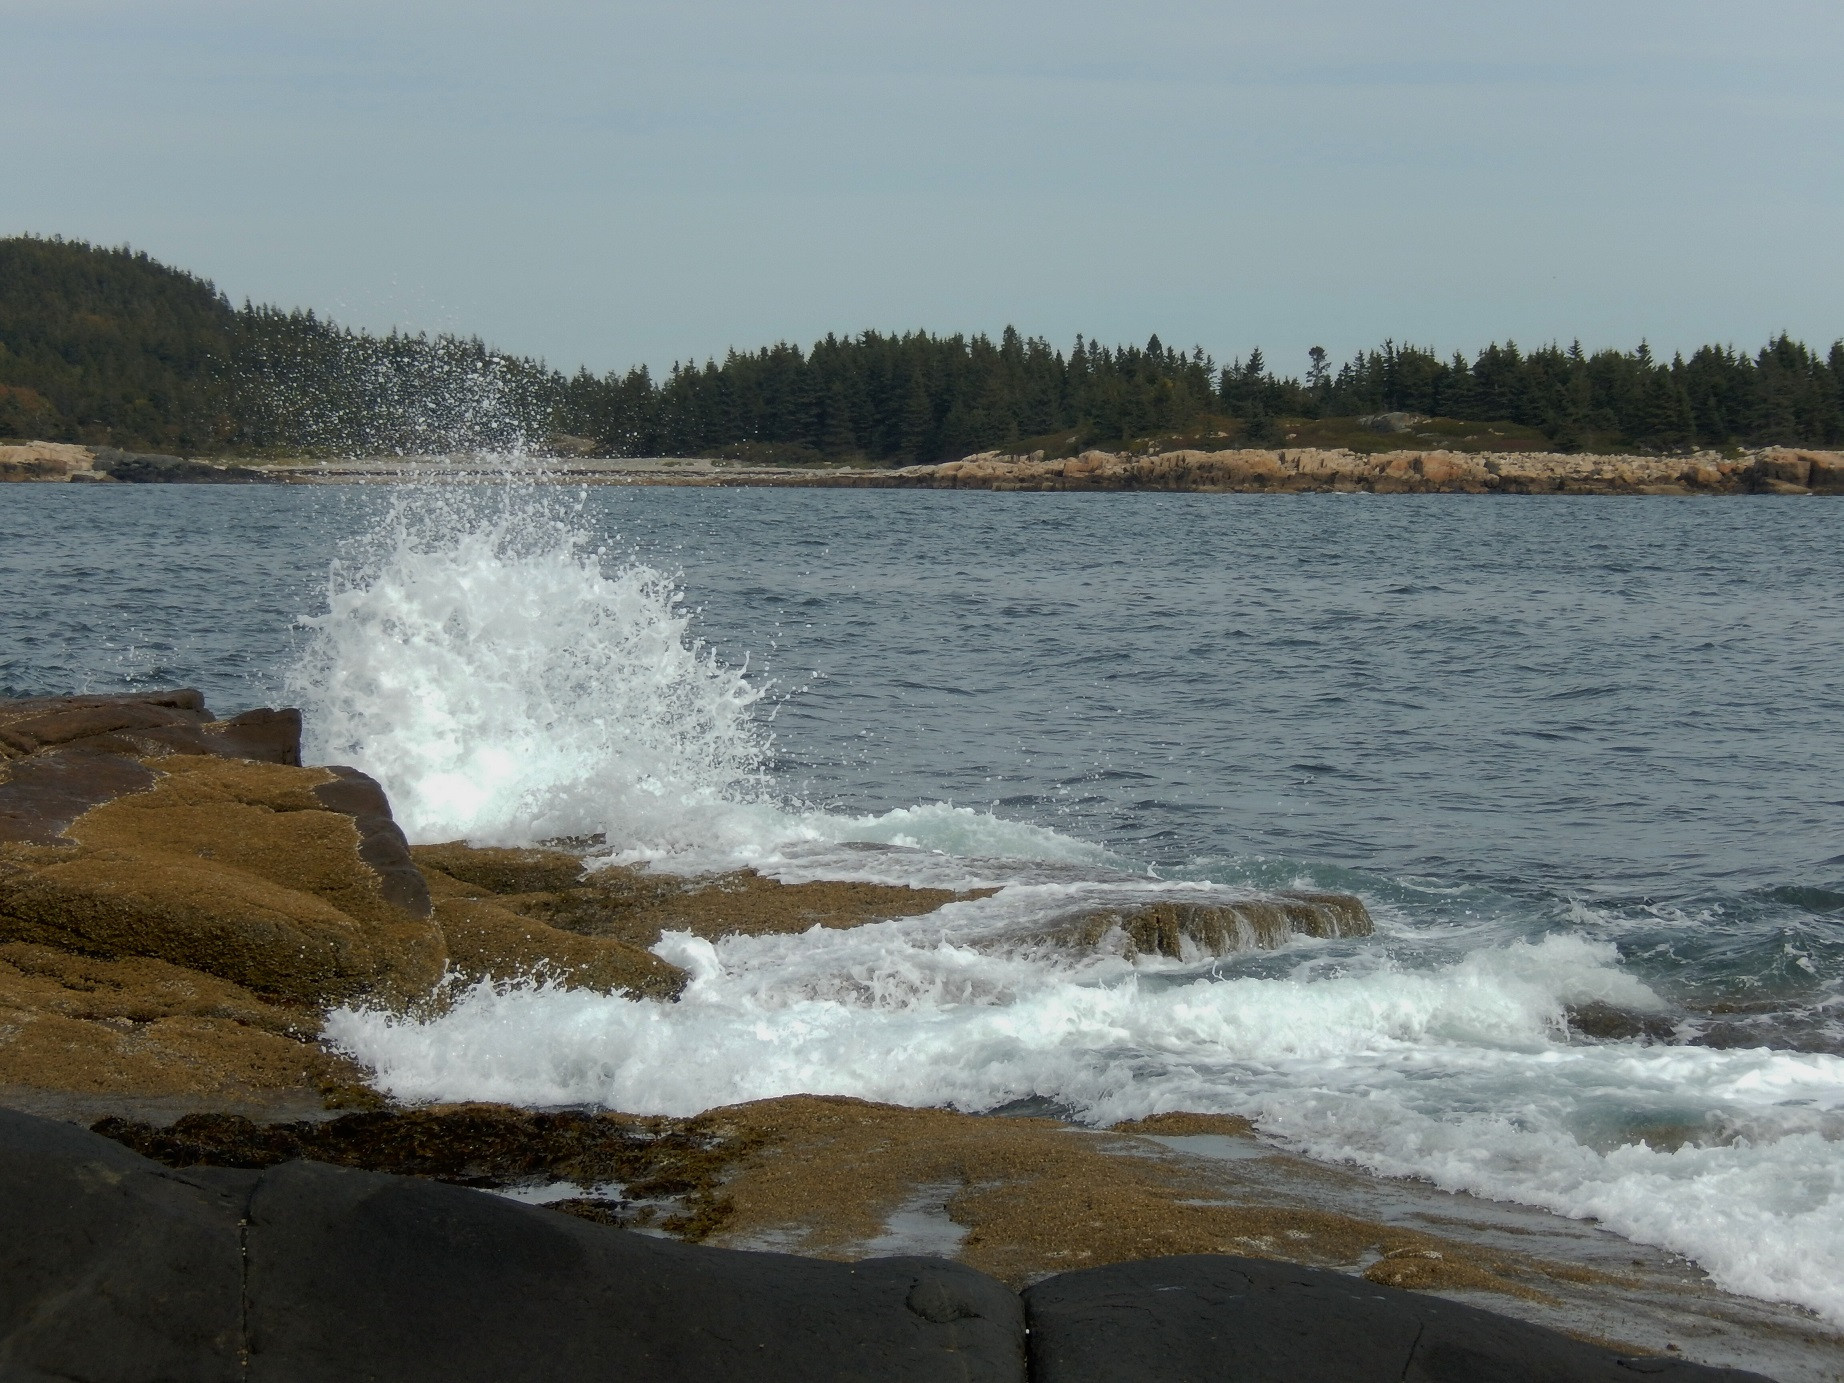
x=109 y=346
x=106 y=345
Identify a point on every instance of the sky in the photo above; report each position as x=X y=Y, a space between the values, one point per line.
x=611 y=184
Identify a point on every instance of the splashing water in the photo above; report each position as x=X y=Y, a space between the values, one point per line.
x=507 y=683
x=508 y=680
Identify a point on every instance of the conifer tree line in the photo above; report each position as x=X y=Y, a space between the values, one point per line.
x=109 y=346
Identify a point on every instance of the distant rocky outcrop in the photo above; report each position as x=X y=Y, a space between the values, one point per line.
x=43 y=460
x=1290 y=470
x=1282 y=470
x=1286 y=470
x=68 y=462
x=146 y=468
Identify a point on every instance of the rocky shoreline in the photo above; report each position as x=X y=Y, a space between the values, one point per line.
x=182 y=901
x=1769 y=471
x=120 y=1268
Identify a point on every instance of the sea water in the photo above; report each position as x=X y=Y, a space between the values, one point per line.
x=1570 y=752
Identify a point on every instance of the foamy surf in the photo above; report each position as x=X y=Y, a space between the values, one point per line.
x=511 y=680
x=1462 y=1075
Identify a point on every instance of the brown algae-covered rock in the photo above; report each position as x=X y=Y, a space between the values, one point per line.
x=637 y=906
x=233 y=868
x=490 y=869
x=179 y=901
x=489 y=942
x=147 y=1028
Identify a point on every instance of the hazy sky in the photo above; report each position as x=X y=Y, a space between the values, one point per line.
x=612 y=183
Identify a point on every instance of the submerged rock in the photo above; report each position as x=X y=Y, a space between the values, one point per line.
x=486 y=869
x=1604 y=1022
x=1189 y=931
x=635 y=906
x=490 y=942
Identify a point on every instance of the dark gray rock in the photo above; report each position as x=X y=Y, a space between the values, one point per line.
x=151 y=468
x=382 y=844
x=1211 y=1319
x=357 y=1275
x=164 y=722
x=114 y=1269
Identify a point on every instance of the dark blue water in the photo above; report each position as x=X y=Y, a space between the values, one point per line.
x=1620 y=716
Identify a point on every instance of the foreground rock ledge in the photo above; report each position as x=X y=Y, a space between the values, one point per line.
x=116 y=1268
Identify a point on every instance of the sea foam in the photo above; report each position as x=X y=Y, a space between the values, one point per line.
x=1461 y=1074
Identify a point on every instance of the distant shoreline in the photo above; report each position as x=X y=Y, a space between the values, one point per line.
x=1773 y=470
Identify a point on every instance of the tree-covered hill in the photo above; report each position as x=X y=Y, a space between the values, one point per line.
x=100 y=345
x=108 y=346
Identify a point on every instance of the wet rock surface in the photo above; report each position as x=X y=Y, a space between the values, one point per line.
x=635 y=906
x=1211 y=1318
x=1186 y=931
x=1020 y=1197
x=121 y=1269
x=649 y=1171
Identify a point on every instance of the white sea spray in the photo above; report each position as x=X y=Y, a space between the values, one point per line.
x=506 y=681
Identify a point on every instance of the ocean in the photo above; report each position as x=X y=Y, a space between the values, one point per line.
x=1582 y=758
